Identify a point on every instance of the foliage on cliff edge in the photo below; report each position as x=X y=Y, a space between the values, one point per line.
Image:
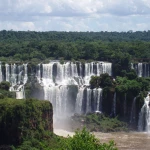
x=23 y=119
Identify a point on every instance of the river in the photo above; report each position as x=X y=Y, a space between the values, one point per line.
x=123 y=140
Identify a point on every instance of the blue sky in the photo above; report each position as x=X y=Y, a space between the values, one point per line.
x=75 y=15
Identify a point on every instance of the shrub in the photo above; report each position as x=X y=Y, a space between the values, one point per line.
x=4 y=85
x=84 y=140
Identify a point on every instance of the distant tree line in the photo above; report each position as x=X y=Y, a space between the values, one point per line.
x=74 y=36
x=116 y=47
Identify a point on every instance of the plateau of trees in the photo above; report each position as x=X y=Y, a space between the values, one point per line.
x=37 y=46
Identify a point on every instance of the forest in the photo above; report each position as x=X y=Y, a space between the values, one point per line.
x=39 y=46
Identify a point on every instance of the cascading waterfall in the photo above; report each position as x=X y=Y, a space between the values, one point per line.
x=13 y=77
x=7 y=68
x=65 y=85
x=97 y=93
x=88 y=103
x=60 y=76
x=38 y=73
x=58 y=95
x=47 y=74
x=25 y=74
x=144 y=116
x=133 y=112
x=20 y=71
x=140 y=69
x=145 y=69
x=79 y=101
x=17 y=76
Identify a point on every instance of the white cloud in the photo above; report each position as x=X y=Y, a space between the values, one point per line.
x=75 y=15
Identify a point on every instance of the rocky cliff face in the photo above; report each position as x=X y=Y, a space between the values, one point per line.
x=24 y=119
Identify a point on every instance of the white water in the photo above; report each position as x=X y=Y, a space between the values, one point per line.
x=7 y=72
x=133 y=113
x=17 y=75
x=144 y=117
x=57 y=77
x=97 y=95
x=19 y=94
x=88 y=103
x=140 y=69
x=79 y=100
x=65 y=85
x=25 y=78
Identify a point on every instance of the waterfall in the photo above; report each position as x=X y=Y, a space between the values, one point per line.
x=25 y=74
x=99 y=99
x=47 y=74
x=107 y=68
x=79 y=101
x=65 y=85
x=97 y=93
x=19 y=79
x=133 y=111
x=144 y=117
x=17 y=75
x=88 y=103
x=7 y=72
x=20 y=94
x=38 y=73
x=13 y=78
x=145 y=71
x=140 y=69
x=56 y=77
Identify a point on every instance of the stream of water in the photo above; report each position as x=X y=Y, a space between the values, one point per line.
x=123 y=140
x=127 y=141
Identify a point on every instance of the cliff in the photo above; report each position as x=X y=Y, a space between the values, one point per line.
x=21 y=119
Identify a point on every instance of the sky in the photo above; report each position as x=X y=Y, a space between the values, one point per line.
x=75 y=15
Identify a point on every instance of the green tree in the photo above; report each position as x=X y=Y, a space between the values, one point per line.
x=84 y=140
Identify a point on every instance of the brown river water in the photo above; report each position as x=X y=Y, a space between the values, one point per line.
x=123 y=140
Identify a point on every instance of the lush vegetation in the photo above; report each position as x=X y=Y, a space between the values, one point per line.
x=74 y=36
x=98 y=122
x=85 y=140
x=127 y=82
x=28 y=124
x=4 y=90
x=125 y=89
x=21 y=119
x=81 y=140
x=112 y=46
